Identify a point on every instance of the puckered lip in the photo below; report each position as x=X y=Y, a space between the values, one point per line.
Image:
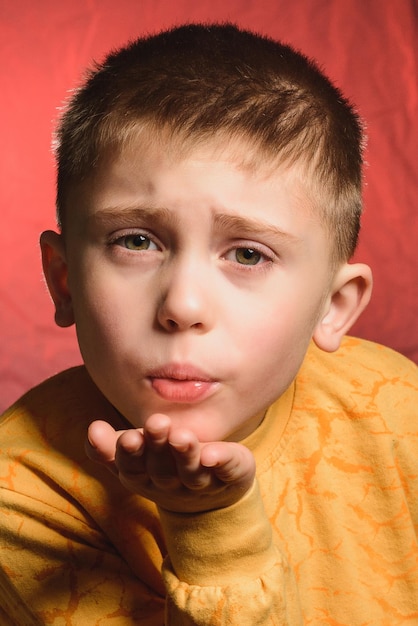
x=185 y=384
x=181 y=372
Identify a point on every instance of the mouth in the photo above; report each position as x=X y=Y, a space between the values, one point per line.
x=183 y=384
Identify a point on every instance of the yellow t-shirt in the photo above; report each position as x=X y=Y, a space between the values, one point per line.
x=327 y=535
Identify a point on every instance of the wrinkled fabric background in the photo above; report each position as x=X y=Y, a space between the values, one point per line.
x=368 y=47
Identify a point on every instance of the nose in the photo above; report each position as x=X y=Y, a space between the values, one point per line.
x=187 y=299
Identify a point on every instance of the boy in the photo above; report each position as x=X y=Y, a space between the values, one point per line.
x=263 y=465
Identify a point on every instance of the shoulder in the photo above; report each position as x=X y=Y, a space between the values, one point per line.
x=71 y=391
x=362 y=378
x=360 y=361
x=60 y=408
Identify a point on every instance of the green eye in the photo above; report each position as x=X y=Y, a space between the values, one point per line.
x=247 y=256
x=137 y=242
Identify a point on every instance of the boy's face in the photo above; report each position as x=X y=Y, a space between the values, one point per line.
x=196 y=286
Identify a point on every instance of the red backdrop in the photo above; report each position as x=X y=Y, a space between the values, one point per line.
x=369 y=47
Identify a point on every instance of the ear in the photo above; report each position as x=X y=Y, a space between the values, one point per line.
x=56 y=275
x=349 y=296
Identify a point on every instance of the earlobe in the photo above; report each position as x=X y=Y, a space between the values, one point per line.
x=349 y=296
x=56 y=275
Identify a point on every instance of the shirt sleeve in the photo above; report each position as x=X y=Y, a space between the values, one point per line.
x=56 y=568
x=223 y=568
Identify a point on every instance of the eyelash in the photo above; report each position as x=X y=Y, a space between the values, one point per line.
x=265 y=257
x=119 y=239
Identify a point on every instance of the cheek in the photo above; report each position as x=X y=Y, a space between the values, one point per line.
x=98 y=311
x=280 y=339
x=97 y=293
x=282 y=323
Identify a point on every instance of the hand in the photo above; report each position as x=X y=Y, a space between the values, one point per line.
x=171 y=467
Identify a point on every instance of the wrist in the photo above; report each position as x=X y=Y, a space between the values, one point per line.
x=215 y=546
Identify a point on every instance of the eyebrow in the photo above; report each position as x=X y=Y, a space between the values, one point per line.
x=132 y=215
x=252 y=227
x=244 y=226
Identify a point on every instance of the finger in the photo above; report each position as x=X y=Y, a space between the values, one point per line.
x=186 y=451
x=231 y=462
x=100 y=444
x=130 y=448
x=156 y=431
x=158 y=462
x=102 y=439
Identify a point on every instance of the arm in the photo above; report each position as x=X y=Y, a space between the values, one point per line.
x=57 y=566
x=65 y=555
x=223 y=567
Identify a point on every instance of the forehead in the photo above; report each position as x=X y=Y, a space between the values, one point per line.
x=245 y=151
x=146 y=138
x=220 y=166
